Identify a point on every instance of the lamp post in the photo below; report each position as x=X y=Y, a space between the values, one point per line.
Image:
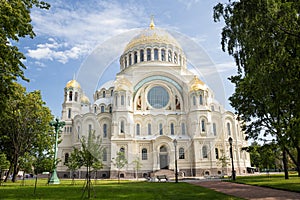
x=57 y=125
x=176 y=173
x=231 y=156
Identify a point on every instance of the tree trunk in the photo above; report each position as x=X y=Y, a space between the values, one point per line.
x=8 y=172
x=15 y=169
x=285 y=164
x=298 y=161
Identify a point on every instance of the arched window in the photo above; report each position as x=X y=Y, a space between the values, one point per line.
x=161 y=131
x=194 y=100
x=122 y=126
x=110 y=109
x=204 y=152
x=70 y=95
x=163 y=55
x=102 y=109
x=202 y=125
x=138 y=129
x=135 y=57
x=116 y=99
x=181 y=153
x=104 y=130
x=144 y=154
x=200 y=99
x=90 y=128
x=76 y=96
x=141 y=55
x=155 y=54
x=182 y=128
x=149 y=129
x=95 y=109
x=111 y=93
x=214 y=129
x=122 y=149
x=169 y=56
x=148 y=54
x=228 y=128
x=175 y=58
x=172 y=128
x=69 y=113
x=125 y=61
x=130 y=61
x=122 y=100
x=104 y=155
x=103 y=94
x=66 y=158
x=217 y=153
x=78 y=131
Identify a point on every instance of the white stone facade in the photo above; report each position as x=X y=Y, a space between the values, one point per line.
x=153 y=100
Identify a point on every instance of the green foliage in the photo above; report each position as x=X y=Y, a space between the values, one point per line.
x=73 y=162
x=267 y=156
x=15 y=22
x=4 y=163
x=25 y=126
x=89 y=155
x=91 y=151
x=224 y=160
x=137 y=165
x=264 y=39
x=120 y=162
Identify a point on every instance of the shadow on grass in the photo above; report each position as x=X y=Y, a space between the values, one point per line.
x=112 y=190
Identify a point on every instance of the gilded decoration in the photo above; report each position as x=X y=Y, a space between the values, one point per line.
x=197 y=84
x=73 y=84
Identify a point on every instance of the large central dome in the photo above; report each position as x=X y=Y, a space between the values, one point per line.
x=152 y=35
x=152 y=45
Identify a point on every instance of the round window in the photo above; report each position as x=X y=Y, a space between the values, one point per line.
x=158 y=97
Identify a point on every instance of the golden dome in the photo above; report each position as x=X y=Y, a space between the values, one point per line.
x=197 y=84
x=152 y=35
x=84 y=99
x=73 y=84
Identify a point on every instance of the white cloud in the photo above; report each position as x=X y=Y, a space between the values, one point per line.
x=74 y=30
x=226 y=67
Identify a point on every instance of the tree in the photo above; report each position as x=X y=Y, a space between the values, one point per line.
x=73 y=164
x=266 y=156
x=25 y=126
x=137 y=166
x=4 y=164
x=89 y=155
x=264 y=39
x=224 y=161
x=15 y=22
x=120 y=162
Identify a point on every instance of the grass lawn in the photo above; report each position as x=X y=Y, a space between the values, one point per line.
x=108 y=189
x=273 y=181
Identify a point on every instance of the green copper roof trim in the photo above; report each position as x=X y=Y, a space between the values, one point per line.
x=152 y=78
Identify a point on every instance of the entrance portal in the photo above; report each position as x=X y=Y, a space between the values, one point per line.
x=163 y=158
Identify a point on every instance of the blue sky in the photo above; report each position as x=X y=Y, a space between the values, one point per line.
x=73 y=30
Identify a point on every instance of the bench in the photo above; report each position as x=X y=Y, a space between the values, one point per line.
x=160 y=177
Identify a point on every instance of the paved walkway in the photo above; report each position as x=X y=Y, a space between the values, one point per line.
x=248 y=191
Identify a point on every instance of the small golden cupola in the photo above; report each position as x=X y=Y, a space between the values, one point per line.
x=73 y=84
x=84 y=99
x=197 y=84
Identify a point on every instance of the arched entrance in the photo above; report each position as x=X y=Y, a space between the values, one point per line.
x=163 y=158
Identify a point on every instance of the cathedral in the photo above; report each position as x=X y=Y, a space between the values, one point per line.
x=156 y=111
